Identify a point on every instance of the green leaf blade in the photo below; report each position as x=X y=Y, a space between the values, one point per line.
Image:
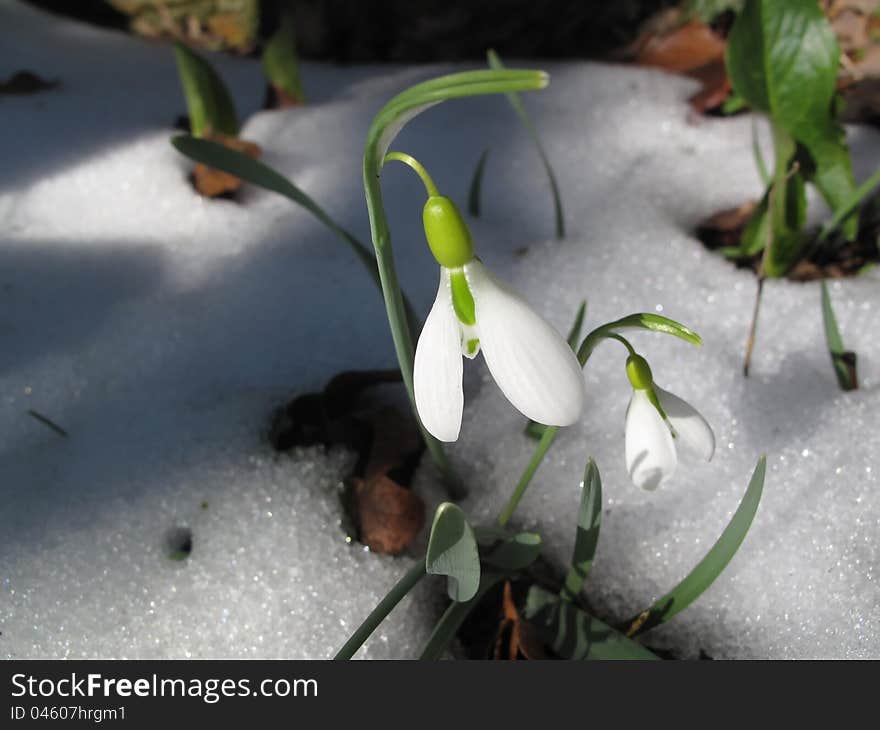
x=587 y=535
x=575 y=634
x=453 y=552
x=281 y=61
x=712 y=564
x=477 y=185
x=209 y=104
x=520 y=109
x=843 y=361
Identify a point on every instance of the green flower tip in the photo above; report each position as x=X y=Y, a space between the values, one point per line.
x=639 y=373
x=447 y=234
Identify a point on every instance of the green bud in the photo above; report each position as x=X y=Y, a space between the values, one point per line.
x=447 y=234
x=639 y=373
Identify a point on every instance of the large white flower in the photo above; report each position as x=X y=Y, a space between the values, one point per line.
x=529 y=360
x=652 y=436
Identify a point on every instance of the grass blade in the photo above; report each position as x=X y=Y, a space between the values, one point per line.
x=519 y=108
x=209 y=105
x=587 y=536
x=843 y=361
x=710 y=567
x=476 y=185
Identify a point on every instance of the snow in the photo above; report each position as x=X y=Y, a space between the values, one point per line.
x=160 y=330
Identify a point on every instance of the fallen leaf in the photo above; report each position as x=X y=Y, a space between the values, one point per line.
x=725 y=227
x=516 y=636
x=213 y=183
x=389 y=516
x=26 y=82
x=686 y=48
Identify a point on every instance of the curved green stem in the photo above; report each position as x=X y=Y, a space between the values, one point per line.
x=390 y=120
x=385 y=606
x=417 y=167
x=654 y=322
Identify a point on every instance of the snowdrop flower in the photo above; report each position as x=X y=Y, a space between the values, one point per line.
x=529 y=360
x=655 y=421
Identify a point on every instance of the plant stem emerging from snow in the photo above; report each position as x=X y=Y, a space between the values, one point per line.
x=385 y=606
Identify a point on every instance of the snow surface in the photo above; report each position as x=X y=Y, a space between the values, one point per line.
x=161 y=330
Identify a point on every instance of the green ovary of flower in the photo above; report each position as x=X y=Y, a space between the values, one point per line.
x=639 y=373
x=447 y=234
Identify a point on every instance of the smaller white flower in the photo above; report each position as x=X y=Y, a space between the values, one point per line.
x=656 y=423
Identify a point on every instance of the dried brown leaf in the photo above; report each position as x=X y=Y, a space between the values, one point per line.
x=389 y=516
x=213 y=183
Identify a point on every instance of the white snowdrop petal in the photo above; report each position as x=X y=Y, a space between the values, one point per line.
x=529 y=360
x=650 y=451
x=437 y=370
x=692 y=429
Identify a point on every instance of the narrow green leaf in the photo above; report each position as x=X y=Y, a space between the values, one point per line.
x=843 y=361
x=711 y=566
x=258 y=173
x=452 y=551
x=587 y=536
x=574 y=334
x=641 y=320
x=520 y=109
x=209 y=105
x=281 y=61
x=575 y=634
x=476 y=185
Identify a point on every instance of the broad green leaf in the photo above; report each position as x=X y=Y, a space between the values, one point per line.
x=452 y=551
x=575 y=634
x=757 y=154
x=833 y=176
x=209 y=105
x=844 y=362
x=782 y=57
x=453 y=617
x=711 y=566
x=281 y=62
x=520 y=109
x=849 y=206
x=514 y=552
x=587 y=536
x=477 y=184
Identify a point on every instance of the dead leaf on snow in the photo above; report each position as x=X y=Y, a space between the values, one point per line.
x=213 y=183
x=389 y=516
